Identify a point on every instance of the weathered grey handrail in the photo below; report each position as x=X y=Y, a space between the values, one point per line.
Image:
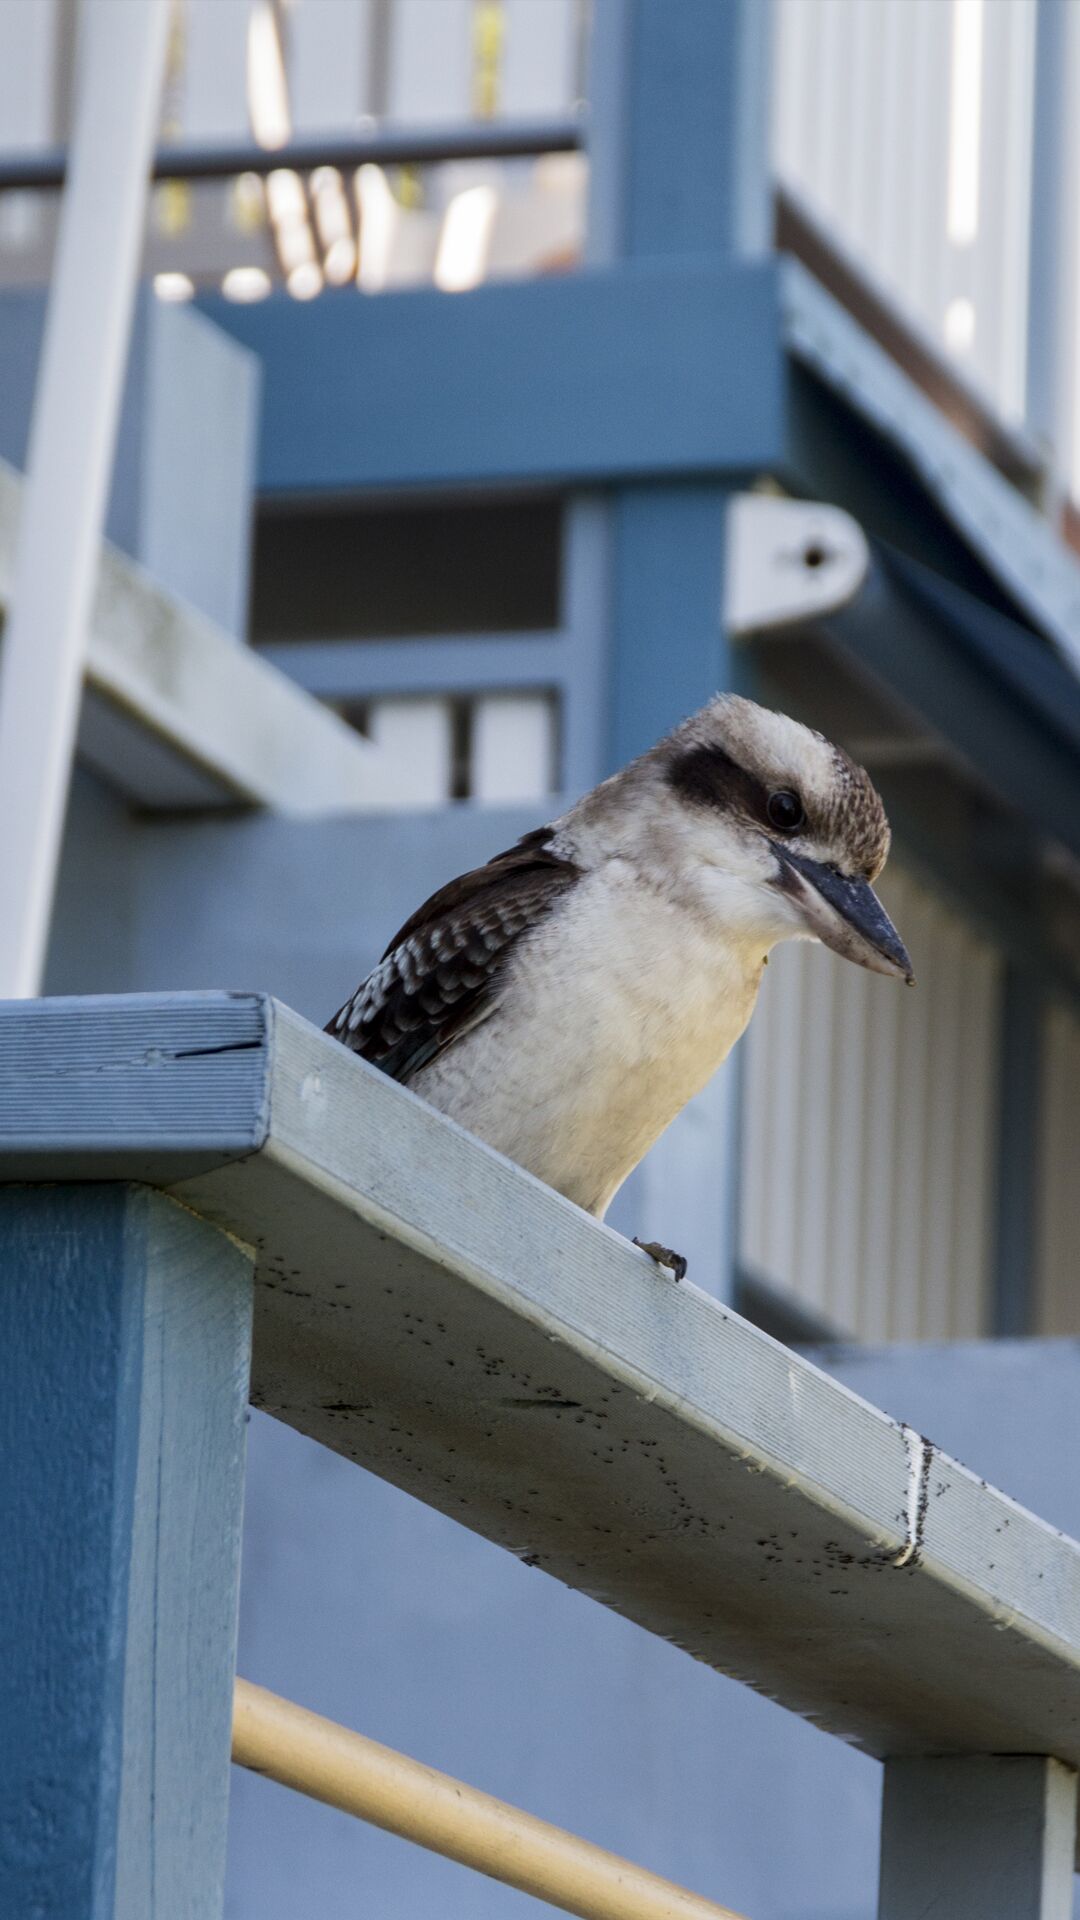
x=433 y=1313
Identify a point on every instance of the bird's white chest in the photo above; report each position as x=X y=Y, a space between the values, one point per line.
x=615 y=1012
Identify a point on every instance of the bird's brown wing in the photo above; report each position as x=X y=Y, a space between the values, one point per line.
x=439 y=976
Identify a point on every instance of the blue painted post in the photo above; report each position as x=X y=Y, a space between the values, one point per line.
x=678 y=166
x=978 y=1837
x=125 y=1331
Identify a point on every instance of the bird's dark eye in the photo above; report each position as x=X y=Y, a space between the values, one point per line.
x=786 y=811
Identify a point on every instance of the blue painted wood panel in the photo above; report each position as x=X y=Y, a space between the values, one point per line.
x=694 y=160
x=124 y=1348
x=158 y=1118
x=641 y=369
x=672 y=652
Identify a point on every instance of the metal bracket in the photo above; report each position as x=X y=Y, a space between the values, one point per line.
x=789 y=561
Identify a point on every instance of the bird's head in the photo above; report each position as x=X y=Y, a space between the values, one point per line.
x=776 y=825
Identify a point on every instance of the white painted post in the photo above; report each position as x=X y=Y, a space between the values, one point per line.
x=72 y=436
x=978 y=1837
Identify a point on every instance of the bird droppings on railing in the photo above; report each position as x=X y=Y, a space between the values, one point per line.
x=920 y=1454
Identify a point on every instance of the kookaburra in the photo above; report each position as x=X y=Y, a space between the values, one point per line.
x=565 y=1001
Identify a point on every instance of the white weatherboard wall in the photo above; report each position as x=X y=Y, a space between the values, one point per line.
x=906 y=127
x=867 y=1184
x=1058 y=1228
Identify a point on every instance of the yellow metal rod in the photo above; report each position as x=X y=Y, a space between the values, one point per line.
x=346 y=1770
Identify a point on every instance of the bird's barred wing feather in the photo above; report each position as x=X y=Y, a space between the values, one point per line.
x=440 y=975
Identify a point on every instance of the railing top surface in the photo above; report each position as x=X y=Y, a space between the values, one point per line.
x=442 y=1318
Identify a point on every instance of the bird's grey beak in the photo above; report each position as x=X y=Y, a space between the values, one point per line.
x=846 y=915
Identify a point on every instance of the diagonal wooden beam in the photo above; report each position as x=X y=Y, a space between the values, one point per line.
x=177 y=716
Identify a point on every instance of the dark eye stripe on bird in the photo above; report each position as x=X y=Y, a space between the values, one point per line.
x=707 y=776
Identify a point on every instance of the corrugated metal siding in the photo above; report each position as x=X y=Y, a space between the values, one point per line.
x=1058 y=1273
x=870 y=1119
x=906 y=126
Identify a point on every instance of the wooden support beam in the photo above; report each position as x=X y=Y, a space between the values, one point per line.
x=983 y=1838
x=125 y=1326
x=604 y=376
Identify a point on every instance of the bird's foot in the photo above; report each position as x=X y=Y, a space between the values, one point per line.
x=663 y=1256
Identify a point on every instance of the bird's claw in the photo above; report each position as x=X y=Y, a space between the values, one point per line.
x=664 y=1256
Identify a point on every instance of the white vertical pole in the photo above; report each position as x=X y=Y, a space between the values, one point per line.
x=72 y=436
